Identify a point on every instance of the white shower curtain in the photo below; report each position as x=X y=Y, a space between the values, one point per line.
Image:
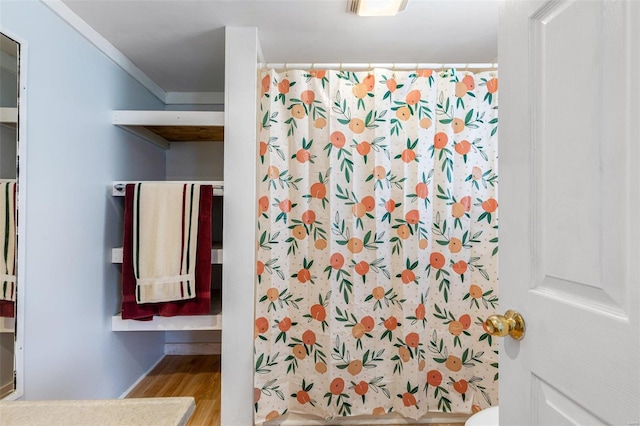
x=377 y=250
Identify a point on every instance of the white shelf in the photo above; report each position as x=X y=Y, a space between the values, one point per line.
x=168 y=118
x=9 y=115
x=162 y=127
x=216 y=254
x=176 y=323
x=7 y=325
x=118 y=187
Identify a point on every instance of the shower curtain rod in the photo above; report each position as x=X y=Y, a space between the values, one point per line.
x=371 y=65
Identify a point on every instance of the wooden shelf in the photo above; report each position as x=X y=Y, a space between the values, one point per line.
x=177 y=323
x=163 y=127
x=216 y=254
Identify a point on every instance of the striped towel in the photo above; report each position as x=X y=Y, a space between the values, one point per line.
x=165 y=230
x=201 y=304
x=8 y=231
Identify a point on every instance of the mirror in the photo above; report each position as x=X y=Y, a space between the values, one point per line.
x=9 y=93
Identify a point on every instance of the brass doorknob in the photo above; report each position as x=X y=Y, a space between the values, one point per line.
x=511 y=324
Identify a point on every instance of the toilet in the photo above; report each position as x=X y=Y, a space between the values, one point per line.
x=486 y=417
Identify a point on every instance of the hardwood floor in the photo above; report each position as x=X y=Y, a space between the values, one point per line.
x=186 y=375
x=198 y=376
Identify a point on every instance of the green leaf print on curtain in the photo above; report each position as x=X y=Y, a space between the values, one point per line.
x=377 y=243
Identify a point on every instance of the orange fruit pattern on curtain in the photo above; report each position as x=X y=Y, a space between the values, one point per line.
x=377 y=219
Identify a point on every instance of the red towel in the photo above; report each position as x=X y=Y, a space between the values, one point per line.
x=7 y=308
x=201 y=304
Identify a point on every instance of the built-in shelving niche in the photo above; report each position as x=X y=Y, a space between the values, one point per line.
x=162 y=128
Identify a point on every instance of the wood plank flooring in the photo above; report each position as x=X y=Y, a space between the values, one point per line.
x=197 y=376
x=186 y=375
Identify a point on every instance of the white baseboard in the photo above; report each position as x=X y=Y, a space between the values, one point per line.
x=145 y=374
x=193 y=348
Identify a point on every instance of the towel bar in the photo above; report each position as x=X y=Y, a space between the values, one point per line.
x=118 y=187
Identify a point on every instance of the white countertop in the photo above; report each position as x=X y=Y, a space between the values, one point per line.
x=103 y=412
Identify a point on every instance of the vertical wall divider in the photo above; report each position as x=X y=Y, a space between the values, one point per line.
x=239 y=230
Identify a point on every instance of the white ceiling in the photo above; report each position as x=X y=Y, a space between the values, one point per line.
x=179 y=44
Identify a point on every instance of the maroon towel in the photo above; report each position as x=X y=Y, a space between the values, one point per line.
x=7 y=308
x=201 y=304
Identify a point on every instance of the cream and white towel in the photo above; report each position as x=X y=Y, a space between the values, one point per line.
x=8 y=233
x=165 y=230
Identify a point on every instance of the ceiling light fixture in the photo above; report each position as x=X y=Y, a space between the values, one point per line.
x=376 y=7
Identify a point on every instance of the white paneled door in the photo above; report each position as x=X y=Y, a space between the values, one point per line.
x=570 y=211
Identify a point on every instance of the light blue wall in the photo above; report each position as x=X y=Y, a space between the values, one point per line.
x=73 y=154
